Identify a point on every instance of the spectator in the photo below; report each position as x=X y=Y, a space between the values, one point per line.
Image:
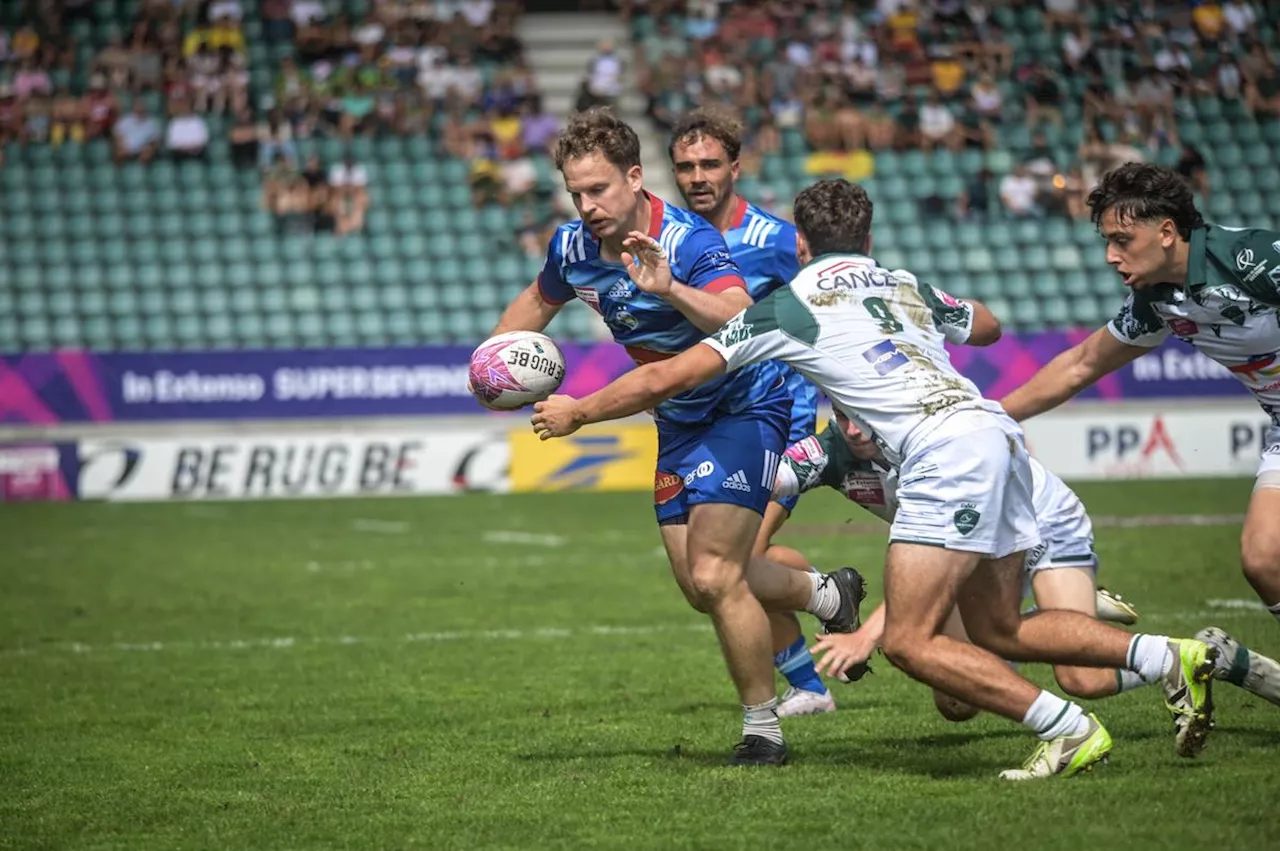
x=243 y=138
x=187 y=135
x=1262 y=95
x=938 y=124
x=485 y=175
x=31 y=81
x=37 y=124
x=519 y=178
x=1043 y=95
x=1018 y=193
x=538 y=128
x=177 y=86
x=100 y=107
x=137 y=135
x=66 y=113
x=11 y=118
x=25 y=43
x=947 y=69
x=1063 y=13
x=1193 y=168
x=348 y=197
x=974 y=202
x=465 y=80
x=277 y=25
x=603 y=83
x=1077 y=44
x=1240 y=17
x=986 y=99
x=146 y=65
x=226 y=10
x=275 y=141
x=235 y=81
x=1208 y=19
x=881 y=128
x=205 y=70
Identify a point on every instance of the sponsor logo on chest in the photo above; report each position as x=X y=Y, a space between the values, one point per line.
x=864 y=488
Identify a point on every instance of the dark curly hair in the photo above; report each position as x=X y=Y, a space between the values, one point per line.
x=708 y=124
x=598 y=131
x=1141 y=192
x=835 y=217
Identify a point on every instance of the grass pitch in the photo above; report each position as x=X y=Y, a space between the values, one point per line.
x=521 y=672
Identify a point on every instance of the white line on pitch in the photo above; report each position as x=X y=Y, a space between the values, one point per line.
x=290 y=642
x=381 y=527
x=515 y=536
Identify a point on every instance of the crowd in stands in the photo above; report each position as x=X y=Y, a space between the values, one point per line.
x=884 y=75
x=452 y=71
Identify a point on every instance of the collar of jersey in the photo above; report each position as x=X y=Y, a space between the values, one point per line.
x=854 y=255
x=1197 y=259
x=740 y=214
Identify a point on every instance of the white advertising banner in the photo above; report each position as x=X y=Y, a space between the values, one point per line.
x=293 y=465
x=1172 y=440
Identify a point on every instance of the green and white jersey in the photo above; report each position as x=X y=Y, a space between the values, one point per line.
x=1227 y=310
x=870 y=338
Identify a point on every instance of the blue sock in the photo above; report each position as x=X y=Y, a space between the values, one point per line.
x=796 y=664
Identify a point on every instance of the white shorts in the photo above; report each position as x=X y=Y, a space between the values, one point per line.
x=967 y=486
x=1066 y=532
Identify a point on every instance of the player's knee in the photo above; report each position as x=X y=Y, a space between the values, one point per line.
x=904 y=649
x=712 y=579
x=1260 y=557
x=1087 y=683
x=952 y=709
x=997 y=636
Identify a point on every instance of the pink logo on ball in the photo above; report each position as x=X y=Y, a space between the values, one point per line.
x=489 y=373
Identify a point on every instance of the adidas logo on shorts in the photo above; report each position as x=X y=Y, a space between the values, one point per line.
x=737 y=482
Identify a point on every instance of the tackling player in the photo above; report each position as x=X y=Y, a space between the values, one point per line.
x=872 y=340
x=1216 y=288
x=704 y=152
x=1061 y=572
x=719 y=444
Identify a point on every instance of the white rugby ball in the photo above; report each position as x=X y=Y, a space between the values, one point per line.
x=515 y=369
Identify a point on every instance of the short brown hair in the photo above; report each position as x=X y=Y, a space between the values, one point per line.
x=835 y=217
x=1142 y=192
x=598 y=131
x=711 y=124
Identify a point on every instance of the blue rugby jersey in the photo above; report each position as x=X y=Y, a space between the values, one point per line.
x=649 y=327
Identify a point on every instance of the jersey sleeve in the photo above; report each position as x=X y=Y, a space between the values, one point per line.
x=702 y=261
x=803 y=468
x=750 y=337
x=954 y=318
x=1137 y=324
x=551 y=283
x=1257 y=264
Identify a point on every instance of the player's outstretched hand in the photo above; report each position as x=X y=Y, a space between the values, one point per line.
x=646 y=263
x=841 y=651
x=555 y=416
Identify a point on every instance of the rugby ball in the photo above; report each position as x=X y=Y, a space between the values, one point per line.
x=516 y=369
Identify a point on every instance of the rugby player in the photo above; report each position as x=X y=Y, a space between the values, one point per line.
x=704 y=150
x=1214 y=287
x=872 y=340
x=719 y=444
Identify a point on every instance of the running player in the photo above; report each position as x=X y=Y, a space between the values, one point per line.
x=1061 y=572
x=718 y=444
x=704 y=152
x=872 y=340
x=1216 y=288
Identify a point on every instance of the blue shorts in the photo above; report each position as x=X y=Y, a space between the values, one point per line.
x=804 y=420
x=733 y=460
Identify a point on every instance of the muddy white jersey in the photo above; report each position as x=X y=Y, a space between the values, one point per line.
x=870 y=338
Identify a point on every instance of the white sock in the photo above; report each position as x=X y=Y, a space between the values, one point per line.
x=1149 y=656
x=1128 y=680
x=1051 y=717
x=824 y=599
x=762 y=720
x=1275 y=611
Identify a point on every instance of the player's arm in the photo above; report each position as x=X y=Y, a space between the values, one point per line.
x=802 y=467
x=963 y=321
x=1069 y=373
x=641 y=389
x=986 y=327
x=537 y=304
x=528 y=311
x=715 y=292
